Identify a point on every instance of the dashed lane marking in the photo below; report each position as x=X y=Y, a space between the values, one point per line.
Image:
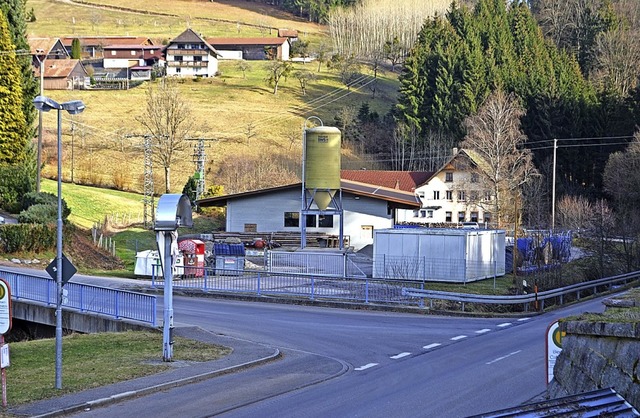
x=430 y=346
x=366 y=366
x=503 y=357
x=523 y=319
x=482 y=331
x=459 y=337
x=399 y=356
x=504 y=324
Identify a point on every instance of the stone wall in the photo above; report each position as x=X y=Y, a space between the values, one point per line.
x=601 y=351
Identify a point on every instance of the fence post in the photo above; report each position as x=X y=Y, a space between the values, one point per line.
x=366 y=290
x=117 y=313
x=205 y=276
x=258 y=290
x=421 y=303
x=313 y=283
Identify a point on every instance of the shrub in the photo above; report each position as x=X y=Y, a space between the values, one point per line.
x=15 y=181
x=44 y=198
x=27 y=237
x=39 y=214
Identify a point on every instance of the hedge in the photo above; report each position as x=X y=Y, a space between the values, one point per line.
x=27 y=237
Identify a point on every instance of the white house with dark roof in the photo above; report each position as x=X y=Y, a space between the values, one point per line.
x=454 y=194
x=366 y=207
x=189 y=55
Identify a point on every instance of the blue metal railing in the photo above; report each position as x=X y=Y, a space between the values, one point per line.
x=118 y=304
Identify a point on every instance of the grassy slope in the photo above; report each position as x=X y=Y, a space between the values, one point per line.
x=223 y=107
x=92 y=361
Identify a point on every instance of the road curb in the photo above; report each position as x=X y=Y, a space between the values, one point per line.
x=88 y=405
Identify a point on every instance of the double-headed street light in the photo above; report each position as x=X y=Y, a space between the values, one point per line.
x=73 y=107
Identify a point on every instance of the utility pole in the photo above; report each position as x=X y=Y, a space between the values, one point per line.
x=147 y=200
x=200 y=158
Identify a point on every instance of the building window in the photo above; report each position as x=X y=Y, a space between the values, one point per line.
x=311 y=221
x=423 y=213
x=449 y=195
x=448 y=176
x=177 y=58
x=133 y=53
x=474 y=216
x=487 y=196
x=113 y=53
x=460 y=216
x=178 y=70
x=487 y=217
x=474 y=177
x=325 y=221
x=197 y=58
x=416 y=213
x=430 y=214
x=421 y=195
x=436 y=194
x=461 y=196
x=474 y=196
x=447 y=216
x=180 y=46
x=291 y=219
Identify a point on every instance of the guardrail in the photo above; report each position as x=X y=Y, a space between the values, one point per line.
x=526 y=299
x=118 y=304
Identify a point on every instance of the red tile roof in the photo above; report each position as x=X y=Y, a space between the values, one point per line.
x=107 y=40
x=399 y=180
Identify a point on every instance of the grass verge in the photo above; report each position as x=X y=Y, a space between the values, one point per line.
x=93 y=360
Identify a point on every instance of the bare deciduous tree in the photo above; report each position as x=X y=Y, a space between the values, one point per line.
x=574 y=213
x=243 y=66
x=304 y=77
x=494 y=134
x=617 y=60
x=276 y=70
x=168 y=118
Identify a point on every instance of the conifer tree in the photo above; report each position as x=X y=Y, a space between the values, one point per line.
x=13 y=127
x=14 y=11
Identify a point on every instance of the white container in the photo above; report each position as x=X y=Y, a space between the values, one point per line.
x=434 y=254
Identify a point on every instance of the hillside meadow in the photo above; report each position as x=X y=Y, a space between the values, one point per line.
x=237 y=112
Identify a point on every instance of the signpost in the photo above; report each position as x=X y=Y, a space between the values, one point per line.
x=554 y=347
x=5 y=326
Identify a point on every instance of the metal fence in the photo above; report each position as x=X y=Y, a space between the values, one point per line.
x=429 y=269
x=119 y=304
x=369 y=290
x=308 y=262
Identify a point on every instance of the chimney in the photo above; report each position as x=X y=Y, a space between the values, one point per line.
x=455 y=150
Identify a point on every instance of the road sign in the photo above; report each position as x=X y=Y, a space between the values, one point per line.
x=554 y=347
x=68 y=269
x=5 y=307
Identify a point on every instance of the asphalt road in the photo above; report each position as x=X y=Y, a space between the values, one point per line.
x=346 y=363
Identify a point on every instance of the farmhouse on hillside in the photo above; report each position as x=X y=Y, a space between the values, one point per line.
x=94 y=46
x=50 y=61
x=453 y=194
x=189 y=55
x=366 y=207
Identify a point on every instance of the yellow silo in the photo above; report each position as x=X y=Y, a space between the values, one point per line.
x=322 y=163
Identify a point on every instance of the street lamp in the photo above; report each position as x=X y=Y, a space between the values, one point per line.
x=41 y=63
x=45 y=104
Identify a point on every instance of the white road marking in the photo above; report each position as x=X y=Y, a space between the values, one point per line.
x=482 y=331
x=366 y=366
x=524 y=319
x=430 y=346
x=504 y=324
x=503 y=357
x=459 y=337
x=398 y=356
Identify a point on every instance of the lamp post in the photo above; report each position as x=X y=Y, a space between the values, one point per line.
x=41 y=62
x=45 y=104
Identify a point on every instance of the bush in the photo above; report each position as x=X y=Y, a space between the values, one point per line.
x=27 y=237
x=40 y=213
x=15 y=181
x=45 y=198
